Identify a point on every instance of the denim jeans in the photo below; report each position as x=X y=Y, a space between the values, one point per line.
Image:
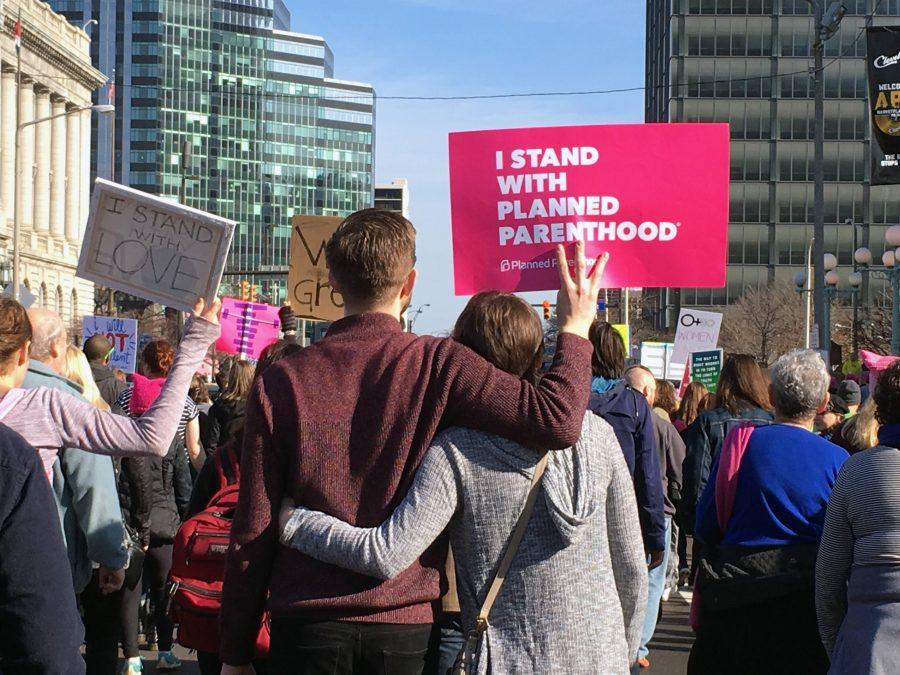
x=453 y=637
x=657 y=583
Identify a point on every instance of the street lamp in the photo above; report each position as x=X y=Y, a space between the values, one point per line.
x=17 y=216
x=415 y=315
x=827 y=20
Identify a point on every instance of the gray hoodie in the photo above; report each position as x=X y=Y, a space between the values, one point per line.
x=574 y=599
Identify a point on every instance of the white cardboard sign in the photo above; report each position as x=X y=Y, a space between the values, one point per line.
x=122 y=335
x=153 y=248
x=697 y=331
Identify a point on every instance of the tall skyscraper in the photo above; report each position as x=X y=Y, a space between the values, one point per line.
x=747 y=62
x=220 y=104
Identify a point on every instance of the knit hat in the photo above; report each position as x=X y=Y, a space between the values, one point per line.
x=837 y=405
x=850 y=392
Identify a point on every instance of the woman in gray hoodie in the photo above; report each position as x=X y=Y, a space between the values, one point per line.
x=573 y=601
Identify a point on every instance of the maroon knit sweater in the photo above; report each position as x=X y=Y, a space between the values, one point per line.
x=341 y=427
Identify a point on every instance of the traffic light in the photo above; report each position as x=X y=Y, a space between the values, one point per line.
x=245 y=289
x=546 y=305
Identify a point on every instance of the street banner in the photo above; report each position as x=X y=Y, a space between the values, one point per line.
x=706 y=368
x=655 y=196
x=122 y=335
x=697 y=331
x=309 y=293
x=883 y=64
x=247 y=327
x=153 y=248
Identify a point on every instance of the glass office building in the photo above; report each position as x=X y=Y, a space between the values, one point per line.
x=747 y=62
x=218 y=103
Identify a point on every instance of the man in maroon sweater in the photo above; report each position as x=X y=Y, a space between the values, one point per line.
x=342 y=426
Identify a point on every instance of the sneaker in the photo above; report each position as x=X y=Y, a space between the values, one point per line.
x=132 y=666
x=167 y=661
x=643 y=662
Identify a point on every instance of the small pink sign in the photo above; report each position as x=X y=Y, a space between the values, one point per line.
x=655 y=196
x=247 y=327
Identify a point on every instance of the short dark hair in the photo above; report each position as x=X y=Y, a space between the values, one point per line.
x=887 y=395
x=97 y=348
x=505 y=330
x=370 y=254
x=609 y=350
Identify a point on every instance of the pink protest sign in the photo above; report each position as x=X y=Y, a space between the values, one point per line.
x=247 y=327
x=654 y=195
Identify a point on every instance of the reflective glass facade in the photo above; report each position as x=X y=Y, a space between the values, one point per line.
x=747 y=62
x=270 y=132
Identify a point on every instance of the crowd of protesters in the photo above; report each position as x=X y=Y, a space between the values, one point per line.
x=341 y=475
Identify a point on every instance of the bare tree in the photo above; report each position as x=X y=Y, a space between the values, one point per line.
x=765 y=322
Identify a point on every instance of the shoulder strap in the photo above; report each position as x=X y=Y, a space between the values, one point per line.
x=513 y=546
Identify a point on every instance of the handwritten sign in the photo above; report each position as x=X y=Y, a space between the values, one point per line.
x=706 y=368
x=122 y=335
x=247 y=327
x=655 y=196
x=697 y=331
x=153 y=248
x=309 y=293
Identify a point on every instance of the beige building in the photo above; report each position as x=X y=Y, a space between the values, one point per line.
x=54 y=185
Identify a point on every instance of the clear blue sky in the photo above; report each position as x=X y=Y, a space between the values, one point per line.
x=450 y=47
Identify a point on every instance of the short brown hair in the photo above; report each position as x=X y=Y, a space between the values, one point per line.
x=15 y=331
x=371 y=253
x=504 y=329
x=609 y=350
x=887 y=395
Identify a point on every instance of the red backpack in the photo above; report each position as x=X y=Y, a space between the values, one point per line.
x=198 y=566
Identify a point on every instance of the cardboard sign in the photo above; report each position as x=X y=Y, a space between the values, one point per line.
x=706 y=368
x=309 y=293
x=122 y=335
x=152 y=248
x=247 y=327
x=624 y=331
x=655 y=196
x=697 y=331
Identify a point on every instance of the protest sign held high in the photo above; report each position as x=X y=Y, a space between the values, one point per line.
x=153 y=248
x=122 y=335
x=247 y=327
x=654 y=196
x=697 y=331
x=309 y=293
x=706 y=368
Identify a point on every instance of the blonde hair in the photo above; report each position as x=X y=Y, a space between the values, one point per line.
x=861 y=430
x=79 y=371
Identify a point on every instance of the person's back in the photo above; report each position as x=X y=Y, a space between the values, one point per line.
x=343 y=425
x=574 y=597
x=786 y=478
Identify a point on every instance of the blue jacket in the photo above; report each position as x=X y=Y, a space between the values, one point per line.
x=704 y=439
x=87 y=499
x=627 y=412
x=40 y=630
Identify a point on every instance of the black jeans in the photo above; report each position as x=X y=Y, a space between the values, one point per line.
x=101 y=628
x=337 y=648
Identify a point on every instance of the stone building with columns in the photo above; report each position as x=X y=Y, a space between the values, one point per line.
x=54 y=185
